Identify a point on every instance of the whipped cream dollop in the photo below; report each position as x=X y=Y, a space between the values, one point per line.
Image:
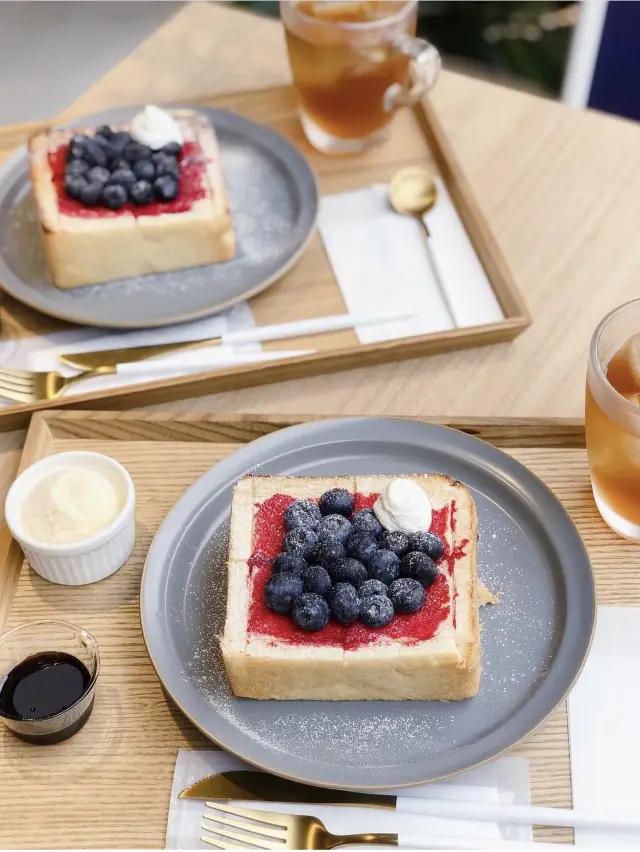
x=403 y=506
x=70 y=505
x=155 y=128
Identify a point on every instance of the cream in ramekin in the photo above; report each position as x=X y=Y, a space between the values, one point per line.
x=73 y=515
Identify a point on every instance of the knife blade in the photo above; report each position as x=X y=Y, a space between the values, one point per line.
x=249 y=786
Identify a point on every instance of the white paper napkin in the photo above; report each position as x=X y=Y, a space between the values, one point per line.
x=603 y=726
x=382 y=259
x=504 y=780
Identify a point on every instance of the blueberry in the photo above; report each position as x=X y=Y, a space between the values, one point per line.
x=75 y=168
x=101 y=140
x=162 y=156
x=365 y=521
x=428 y=543
x=135 y=151
x=337 y=501
x=114 y=196
x=75 y=150
x=301 y=542
x=316 y=579
x=311 y=612
x=105 y=131
x=78 y=139
x=119 y=142
x=281 y=590
x=418 y=566
x=120 y=163
x=288 y=563
x=361 y=546
x=376 y=611
x=384 y=565
x=168 y=166
x=165 y=188
x=141 y=192
x=344 y=603
x=93 y=153
x=371 y=587
x=334 y=527
x=348 y=571
x=172 y=149
x=98 y=174
x=73 y=185
x=329 y=551
x=407 y=595
x=123 y=177
x=90 y=194
x=302 y=513
x=397 y=542
x=144 y=170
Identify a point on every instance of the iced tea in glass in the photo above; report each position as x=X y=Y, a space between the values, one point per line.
x=612 y=419
x=353 y=65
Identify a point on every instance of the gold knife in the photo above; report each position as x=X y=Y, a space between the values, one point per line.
x=248 y=786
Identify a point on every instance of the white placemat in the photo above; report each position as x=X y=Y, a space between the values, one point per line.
x=603 y=709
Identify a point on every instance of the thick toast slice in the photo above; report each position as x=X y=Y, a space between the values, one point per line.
x=434 y=654
x=92 y=245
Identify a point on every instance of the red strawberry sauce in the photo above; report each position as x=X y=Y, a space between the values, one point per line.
x=267 y=543
x=192 y=165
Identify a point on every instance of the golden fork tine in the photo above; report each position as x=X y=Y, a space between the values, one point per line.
x=25 y=374
x=12 y=380
x=244 y=826
x=16 y=396
x=253 y=839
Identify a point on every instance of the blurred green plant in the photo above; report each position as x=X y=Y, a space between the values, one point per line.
x=526 y=39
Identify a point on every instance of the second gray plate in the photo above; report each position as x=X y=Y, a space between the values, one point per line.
x=534 y=641
x=274 y=205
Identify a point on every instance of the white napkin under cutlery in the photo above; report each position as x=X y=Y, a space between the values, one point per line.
x=503 y=780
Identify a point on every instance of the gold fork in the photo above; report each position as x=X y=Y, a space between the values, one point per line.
x=241 y=828
x=26 y=386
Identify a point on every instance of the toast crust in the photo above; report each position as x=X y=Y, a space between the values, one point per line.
x=445 y=667
x=82 y=250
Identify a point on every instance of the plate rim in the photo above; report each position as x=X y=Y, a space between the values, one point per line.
x=15 y=170
x=310 y=427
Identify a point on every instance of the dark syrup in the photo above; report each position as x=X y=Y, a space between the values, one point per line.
x=42 y=686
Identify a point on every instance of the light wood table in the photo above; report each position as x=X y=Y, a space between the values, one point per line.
x=560 y=189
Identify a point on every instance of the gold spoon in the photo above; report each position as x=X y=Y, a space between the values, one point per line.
x=413 y=192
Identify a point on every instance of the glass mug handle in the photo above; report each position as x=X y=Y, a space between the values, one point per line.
x=425 y=68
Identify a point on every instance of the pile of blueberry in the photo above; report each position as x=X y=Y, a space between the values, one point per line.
x=341 y=563
x=111 y=168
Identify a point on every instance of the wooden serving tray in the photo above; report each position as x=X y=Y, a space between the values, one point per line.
x=109 y=785
x=309 y=289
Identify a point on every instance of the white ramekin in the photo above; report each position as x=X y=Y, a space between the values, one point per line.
x=85 y=561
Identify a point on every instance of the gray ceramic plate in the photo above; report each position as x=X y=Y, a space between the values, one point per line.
x=534 y=641
x=274 y=204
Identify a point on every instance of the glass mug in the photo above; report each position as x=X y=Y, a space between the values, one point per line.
x=612 y=419
x=353 y=65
